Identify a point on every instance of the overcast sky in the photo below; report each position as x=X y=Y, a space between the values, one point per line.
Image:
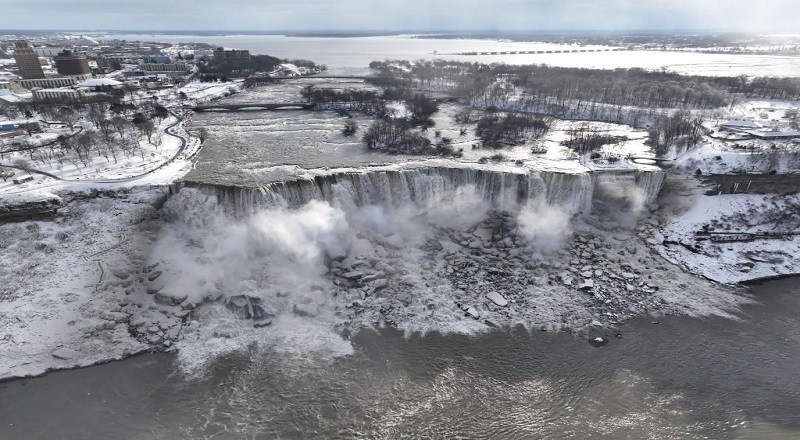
x=529 y=15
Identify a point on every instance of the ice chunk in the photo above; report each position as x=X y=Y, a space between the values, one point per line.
x=497 y=299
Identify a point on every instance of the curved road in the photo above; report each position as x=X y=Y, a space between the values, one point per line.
x=167 y=130
x=139 y=176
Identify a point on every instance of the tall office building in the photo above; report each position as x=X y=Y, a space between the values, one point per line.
x=27 y=61
x=231 y=56
x=69 y=63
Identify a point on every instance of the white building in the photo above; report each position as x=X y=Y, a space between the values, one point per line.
x=739 y=125
x=63 y=94
x=775 y=135
x=100 y=82
x=8 y=98
x=50 y=83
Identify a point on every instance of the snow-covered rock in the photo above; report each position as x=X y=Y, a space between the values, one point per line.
x=65 y=353
x=497 y=299
x=308 y=310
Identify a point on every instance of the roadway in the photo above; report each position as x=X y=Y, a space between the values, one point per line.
x=168 y=130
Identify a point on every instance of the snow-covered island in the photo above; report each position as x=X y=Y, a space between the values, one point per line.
x=151 y=227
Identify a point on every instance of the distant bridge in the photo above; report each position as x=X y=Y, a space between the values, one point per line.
x=365 y=77
x=530 y=52
x=272 y=106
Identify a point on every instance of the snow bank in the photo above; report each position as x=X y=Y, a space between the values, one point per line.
x=731 y=262
x=55 y=310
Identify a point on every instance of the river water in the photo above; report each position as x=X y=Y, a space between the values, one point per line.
x=673 y=378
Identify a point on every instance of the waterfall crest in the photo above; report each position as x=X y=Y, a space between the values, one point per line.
x=505 y=190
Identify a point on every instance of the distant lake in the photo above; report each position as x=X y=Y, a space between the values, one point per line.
x=344 y=55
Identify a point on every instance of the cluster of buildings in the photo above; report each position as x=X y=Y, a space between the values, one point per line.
x=754 y=130
x=71 y=68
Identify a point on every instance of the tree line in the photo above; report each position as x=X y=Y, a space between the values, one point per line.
x=212 y=70
x=390 y=132
x=497 y=83
x=495 y=131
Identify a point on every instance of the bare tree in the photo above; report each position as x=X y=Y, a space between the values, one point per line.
x=160 y=113
x=120 y=125
x=24 y=165
x=350 y=127
x=97 y=115
x=82 y=145
x=202 y=134
x=158 y=137
x=146 y=128
x=31 y=127
x=69 y=117
x=5 y=173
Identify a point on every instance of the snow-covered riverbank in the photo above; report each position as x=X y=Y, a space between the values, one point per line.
x=55 y=311
x=732 y=262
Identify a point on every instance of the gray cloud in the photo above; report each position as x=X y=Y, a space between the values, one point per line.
x=765 y=15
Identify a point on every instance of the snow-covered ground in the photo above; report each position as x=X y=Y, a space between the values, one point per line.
x=55 y=309
x=153 y=165
x=732 y=262
x=199 y=92
x=713 y=157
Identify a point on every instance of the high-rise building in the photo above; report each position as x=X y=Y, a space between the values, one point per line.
x=109 y=63
x=27 y=61
x=231 y=56
x=69 y=63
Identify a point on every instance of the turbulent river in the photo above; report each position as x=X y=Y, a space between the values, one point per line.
x=680 y=378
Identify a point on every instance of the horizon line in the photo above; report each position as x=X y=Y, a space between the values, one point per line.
x=406 y=31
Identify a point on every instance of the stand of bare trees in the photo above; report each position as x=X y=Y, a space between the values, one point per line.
x=397 y=136
x=680 y=130
x=512 y=129
x=586 y=139
x=366 y=101
x=576 y=86
x=98 y=128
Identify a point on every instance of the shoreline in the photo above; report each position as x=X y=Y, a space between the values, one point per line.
x=8 y=379
x=586 y=335
x=764 y=280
